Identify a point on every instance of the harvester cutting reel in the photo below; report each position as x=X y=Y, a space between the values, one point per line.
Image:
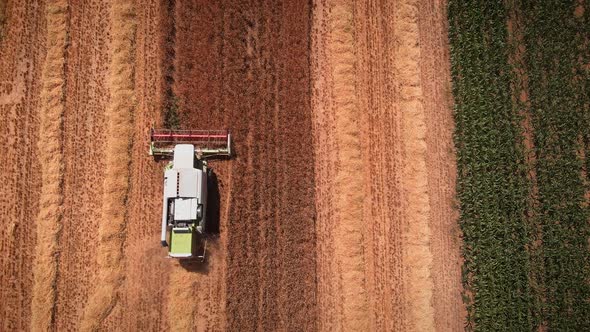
x=208 y=143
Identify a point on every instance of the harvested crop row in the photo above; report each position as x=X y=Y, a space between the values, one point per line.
x=556 y=41
x=51 y=155
x=416 y=232
x=142 y=304
x=341 y=260
x=181 y=302
x=492 y=185
x=370 y=62
x=116 y=184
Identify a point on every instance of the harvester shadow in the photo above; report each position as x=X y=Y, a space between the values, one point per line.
x=213 y=202
x=211 y=227
x=195 y=266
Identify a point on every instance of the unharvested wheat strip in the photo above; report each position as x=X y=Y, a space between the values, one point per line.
x=51 y=158
x=417 y=257
x=119 y=115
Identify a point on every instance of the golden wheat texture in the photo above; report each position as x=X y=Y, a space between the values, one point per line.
x=51 y=158
x=116 y=184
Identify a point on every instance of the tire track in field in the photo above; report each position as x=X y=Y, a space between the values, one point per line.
x=52 y=168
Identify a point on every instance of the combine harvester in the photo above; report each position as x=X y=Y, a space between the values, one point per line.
x=184 y=205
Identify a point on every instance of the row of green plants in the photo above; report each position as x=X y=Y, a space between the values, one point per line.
x=526 y=238
x=492 y=187
x=556 y=51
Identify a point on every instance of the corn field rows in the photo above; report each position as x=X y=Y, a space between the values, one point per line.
x=559 y=105
x=526 y=238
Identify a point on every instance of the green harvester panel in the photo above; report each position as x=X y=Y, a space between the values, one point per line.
x=181 y=242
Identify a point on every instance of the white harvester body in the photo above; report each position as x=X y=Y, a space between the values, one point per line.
x=184 y=202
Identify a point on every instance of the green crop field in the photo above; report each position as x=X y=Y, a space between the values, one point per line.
x=526 y=237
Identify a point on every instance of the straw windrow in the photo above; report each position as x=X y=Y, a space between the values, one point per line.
x=51 y=160
x=119 y=115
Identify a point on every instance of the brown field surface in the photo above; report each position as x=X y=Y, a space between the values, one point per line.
x=335 y=212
